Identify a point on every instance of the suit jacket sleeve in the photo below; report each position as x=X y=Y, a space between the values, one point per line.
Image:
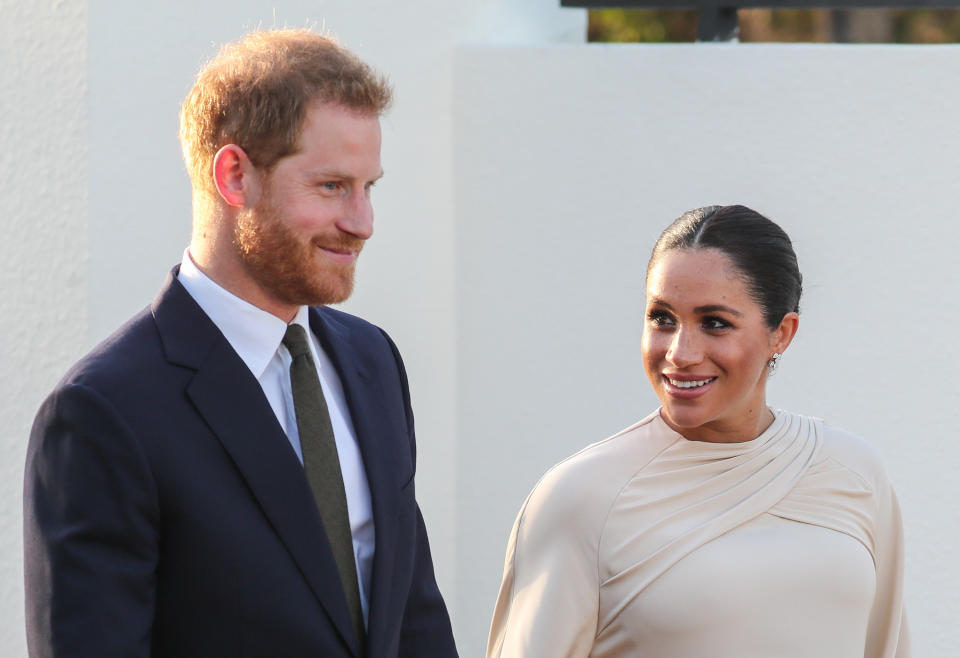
x=90 y=531
x=425 y=630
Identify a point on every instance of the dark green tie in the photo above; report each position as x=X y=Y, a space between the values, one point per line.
x=322 y=465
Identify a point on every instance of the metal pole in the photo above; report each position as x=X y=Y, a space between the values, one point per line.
x=717 y=24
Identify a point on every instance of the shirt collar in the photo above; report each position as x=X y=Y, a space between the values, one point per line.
x=253 y=333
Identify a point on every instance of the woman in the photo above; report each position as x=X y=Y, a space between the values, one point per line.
x=715 y=527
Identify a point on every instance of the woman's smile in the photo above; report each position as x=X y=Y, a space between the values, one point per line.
x=706 y=345
x=686 y=387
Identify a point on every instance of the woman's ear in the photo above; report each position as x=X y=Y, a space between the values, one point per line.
x=783 y=334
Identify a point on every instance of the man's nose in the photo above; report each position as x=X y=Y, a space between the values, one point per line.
x=357 y=220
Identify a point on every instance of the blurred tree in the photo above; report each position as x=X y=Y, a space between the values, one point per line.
x=810 y=25
x=646 y=25
x=927 y=26
x=805 y=25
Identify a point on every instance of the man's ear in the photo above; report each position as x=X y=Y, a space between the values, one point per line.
x=235 y=177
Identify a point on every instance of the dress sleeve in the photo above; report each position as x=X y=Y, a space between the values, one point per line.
x=548 y=601
x=887 y=634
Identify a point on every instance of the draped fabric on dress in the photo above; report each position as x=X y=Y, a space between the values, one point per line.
x=602 y=526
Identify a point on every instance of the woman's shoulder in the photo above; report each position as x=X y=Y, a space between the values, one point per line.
x=584 y=485
x=854 y=453
x=614 y=458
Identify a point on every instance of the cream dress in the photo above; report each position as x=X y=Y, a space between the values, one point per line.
x=650 y=545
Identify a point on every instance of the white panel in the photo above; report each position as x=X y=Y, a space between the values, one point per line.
x=571 y=160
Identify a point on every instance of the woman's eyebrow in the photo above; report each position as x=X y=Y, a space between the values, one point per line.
x=713 y=308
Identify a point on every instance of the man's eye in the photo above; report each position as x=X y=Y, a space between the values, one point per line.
x=331 y=186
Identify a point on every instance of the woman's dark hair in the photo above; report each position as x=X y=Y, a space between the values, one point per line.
x=759 y=249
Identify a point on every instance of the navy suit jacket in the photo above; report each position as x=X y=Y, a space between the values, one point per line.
x=166 y=514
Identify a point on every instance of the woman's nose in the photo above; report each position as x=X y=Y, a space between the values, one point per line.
x=684 y=349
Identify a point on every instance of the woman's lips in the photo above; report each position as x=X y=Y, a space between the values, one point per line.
x=687 y=387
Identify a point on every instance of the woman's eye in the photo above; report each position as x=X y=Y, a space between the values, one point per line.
x=660 y=319
x=715 y=324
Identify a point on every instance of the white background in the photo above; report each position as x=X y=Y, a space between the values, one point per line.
x=528 y=175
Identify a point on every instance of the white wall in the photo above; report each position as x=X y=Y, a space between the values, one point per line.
x=95 y=202
x=43 y=247
x=525 y=184
x=571 y=160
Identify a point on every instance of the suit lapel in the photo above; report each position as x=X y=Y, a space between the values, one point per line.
x=229 y=398
x=378 y=446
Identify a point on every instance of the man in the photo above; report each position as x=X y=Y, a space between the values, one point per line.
x=231 y=473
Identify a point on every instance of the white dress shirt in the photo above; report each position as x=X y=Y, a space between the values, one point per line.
x=256 y=337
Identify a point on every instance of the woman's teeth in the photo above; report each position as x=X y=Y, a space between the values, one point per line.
x=690 y=384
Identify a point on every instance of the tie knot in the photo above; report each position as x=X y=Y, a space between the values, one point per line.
x=295 y=340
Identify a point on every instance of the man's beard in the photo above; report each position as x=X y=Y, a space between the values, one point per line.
x=288 y=269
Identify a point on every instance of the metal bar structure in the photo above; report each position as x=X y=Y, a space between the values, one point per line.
x=717 y=19
x=717 y=24
x=763 y=4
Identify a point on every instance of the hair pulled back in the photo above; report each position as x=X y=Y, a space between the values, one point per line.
x=759 y=249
